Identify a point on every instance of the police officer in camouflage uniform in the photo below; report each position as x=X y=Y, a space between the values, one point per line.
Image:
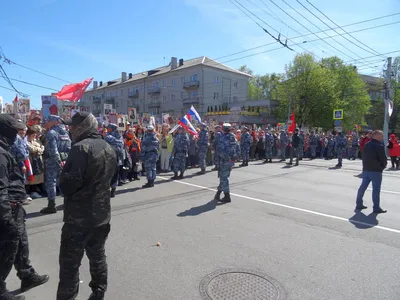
x=313 y=145
x=14 y=245
x=227 y=153
x=85 y=182
x=180 y=152
x=56 y=151
x=269 y=142
x=114 y=139
x=301 y=145
x=202 y=144
x=354 y=146
x=149 y=155
x=341 y=143
x=245 y=143
x=217 y=136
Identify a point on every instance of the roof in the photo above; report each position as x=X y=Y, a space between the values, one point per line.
x=371 y=79
x=202 y=60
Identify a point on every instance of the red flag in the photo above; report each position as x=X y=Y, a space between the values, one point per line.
x=16 y=98
x=29 y=173
x=73 y=92
x=292 y=126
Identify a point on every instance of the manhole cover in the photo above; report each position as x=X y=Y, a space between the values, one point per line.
x=239 y=284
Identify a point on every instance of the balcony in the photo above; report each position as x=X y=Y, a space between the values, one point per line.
x=110 y=100
x=191 y=100
x=96 y=99
x=154 y=103
x=133 y=94
x=154 y=90
x=191 y=84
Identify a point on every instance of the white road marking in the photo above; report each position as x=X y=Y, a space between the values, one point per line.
x=386 y=191
x=292 y=207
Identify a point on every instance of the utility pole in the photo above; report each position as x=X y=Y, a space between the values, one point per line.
x=290 y=108
x=388 y=94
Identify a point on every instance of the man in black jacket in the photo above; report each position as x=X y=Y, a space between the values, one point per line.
x=374 y=162
x=14 y=246
x=85 y=182
x=295 y=147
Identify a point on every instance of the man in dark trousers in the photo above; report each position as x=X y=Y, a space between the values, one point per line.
x=85 y=182
x=295 y=143
x=14 y=246
x=374 y=162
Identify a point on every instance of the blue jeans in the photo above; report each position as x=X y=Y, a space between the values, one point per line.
x=367 y=177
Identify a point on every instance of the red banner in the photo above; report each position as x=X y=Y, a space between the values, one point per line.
x=73 y=92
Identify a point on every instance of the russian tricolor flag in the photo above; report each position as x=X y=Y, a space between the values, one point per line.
x=193 y=112
x=185 y=123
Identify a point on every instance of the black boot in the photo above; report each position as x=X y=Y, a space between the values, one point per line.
x=270 y=160
x=175 y=176
x=217 y=196
x=33 y=281
x=202 y=172
x=243 y=164
x=152 y=183
x=226 y=199
x=147 y=185
x=112 y=194
x=181 y=176
x=50 y=209
x=96 y=296
x=8 y=296
x=266 y=161
x=135 y=176
x=338 y=166
x=247 y=163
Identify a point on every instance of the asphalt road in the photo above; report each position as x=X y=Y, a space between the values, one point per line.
x=297 y=225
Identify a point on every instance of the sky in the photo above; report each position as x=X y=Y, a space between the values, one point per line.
x=74 y=40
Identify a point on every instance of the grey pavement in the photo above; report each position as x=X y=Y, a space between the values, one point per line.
x=291 y=224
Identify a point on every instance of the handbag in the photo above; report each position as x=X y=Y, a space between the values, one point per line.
x=37 y=165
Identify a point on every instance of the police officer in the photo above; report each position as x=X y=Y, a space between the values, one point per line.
x=300 y=150
x=227 y=154
x=57 y=146
x=245 y=143
x=180 y=152
x=269 y=142
x=294 y=149
x=114 y=139
x=149 y=155
x=340 y=144
x=14 y=245
x=313 y=145
x=202 y=145
x=217 y=136
x=85 y=182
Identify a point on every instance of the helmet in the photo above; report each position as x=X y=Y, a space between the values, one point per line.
x=226 y=127
x=150 y=128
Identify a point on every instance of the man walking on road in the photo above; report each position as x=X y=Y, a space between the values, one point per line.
x=294 y=151
x=85 y=182
x=374 y=162
x=14 y=245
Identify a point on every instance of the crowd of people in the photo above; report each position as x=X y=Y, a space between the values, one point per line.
x=85 y=163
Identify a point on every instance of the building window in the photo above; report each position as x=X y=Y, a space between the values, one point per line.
x=193 y=77
x=183 y=79
x=172 y=97
x=157 y=84
x=193 y=94
x=216 y=96
x=235 y=99
x=216 y=80
x=163 y=83
x=173 y=83
x=164 y=98
x=235 y=84
x=122 y=93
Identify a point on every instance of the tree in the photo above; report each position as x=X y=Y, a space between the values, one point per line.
x=318 y=87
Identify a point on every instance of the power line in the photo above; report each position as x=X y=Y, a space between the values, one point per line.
x=39 y=72
x=374 y=51
x=308 y=29
x=6 y=88
x=326 y=30
x=318 y=27
x=32 y=84
x=7 y=79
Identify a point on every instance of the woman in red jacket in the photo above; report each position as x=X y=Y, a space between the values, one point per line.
x=394 y=151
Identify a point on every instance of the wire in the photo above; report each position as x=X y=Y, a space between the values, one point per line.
x=308 y=29
x=318 y=27
x=5 y=76
x=39 y=72
x=6 y=88
x=308 y=34
x=32 y=84
x=374 y=51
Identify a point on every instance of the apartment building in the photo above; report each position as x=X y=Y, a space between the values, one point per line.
x=200 y=82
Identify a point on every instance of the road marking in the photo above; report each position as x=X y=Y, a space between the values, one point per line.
x=385 y=191
x=292 y=207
